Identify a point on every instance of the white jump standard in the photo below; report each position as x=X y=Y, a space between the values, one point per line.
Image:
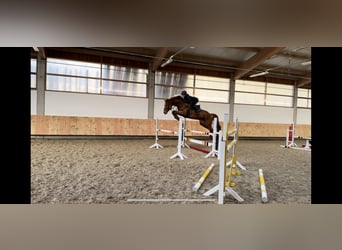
x=180 y=139
x=290 y=137
x=224 y=186
x=156 y=144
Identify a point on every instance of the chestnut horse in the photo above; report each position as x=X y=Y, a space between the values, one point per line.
x=183 y=109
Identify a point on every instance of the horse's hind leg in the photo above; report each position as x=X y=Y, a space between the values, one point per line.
x=206 y=125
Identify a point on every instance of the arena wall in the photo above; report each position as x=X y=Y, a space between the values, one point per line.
x=100 y=126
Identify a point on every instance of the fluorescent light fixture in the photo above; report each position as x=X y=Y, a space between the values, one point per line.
x=259 y=74
x=35 y=49
x=170 y=60
x=306 y=63
x=167 y=62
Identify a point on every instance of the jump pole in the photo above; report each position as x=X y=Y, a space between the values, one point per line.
x=262 y=186
x=214 y=151
x=199 y=149
x=203 y=177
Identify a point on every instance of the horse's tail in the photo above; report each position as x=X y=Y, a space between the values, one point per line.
x=218 y=126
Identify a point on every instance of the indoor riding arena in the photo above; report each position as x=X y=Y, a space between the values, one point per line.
x=102 y=131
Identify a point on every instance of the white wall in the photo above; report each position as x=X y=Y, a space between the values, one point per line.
x=245 y=113
x=218 y=108
x=158 y=110
x=303 y=116
x=75 y=104
x=263 y=114
x=33 y=102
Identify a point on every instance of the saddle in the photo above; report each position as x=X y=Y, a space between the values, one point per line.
x=197 y=108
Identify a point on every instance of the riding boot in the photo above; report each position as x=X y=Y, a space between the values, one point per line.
x=197 y=108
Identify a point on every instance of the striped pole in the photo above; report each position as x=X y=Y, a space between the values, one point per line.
x=204 y=176
x=262 y=186
x=198 y=132
x=200 y=142
x=168 y=131
x=199 y=149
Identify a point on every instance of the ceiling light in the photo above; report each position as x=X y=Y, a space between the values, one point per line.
x=259 y=74
x=170 y=60
x=306 y=63
x=167 y=62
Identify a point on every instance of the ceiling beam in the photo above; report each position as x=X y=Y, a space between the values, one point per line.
x=256 y=60
x=42 y=53
x=160 y=55
x=98 y=52
x=304 y=81
x=295 y=55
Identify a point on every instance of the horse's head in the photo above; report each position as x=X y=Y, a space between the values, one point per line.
x=176 y=101
x=167 y=106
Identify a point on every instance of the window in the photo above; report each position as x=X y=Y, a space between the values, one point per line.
x=212 y=89
x=250 y=92
x=168 y=84
x=249 y=98
x=205 y=88
x=304 y=98
x=279 y=95
x=85 y=77
x=72 y=68
x=262 y=93
x=72 y=84
x=72 y=76
x=124 y=81
x=33 y=73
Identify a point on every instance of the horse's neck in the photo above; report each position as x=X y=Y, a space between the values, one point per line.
x=178 y=102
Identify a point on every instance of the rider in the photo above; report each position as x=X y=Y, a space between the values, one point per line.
x=192 y=100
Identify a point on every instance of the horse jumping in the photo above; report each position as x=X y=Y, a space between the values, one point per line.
x=183 y=109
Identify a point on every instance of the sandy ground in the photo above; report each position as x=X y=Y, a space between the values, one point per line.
x=124 y=171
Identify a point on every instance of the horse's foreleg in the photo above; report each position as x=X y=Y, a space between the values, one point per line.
x=175 y=114
x=181 y=113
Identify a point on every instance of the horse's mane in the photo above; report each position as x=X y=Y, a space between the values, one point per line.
x=177 y=97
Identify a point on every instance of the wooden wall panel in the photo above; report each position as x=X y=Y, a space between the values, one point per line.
x=303 y=130
x=68 y=125
x=73 y=125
